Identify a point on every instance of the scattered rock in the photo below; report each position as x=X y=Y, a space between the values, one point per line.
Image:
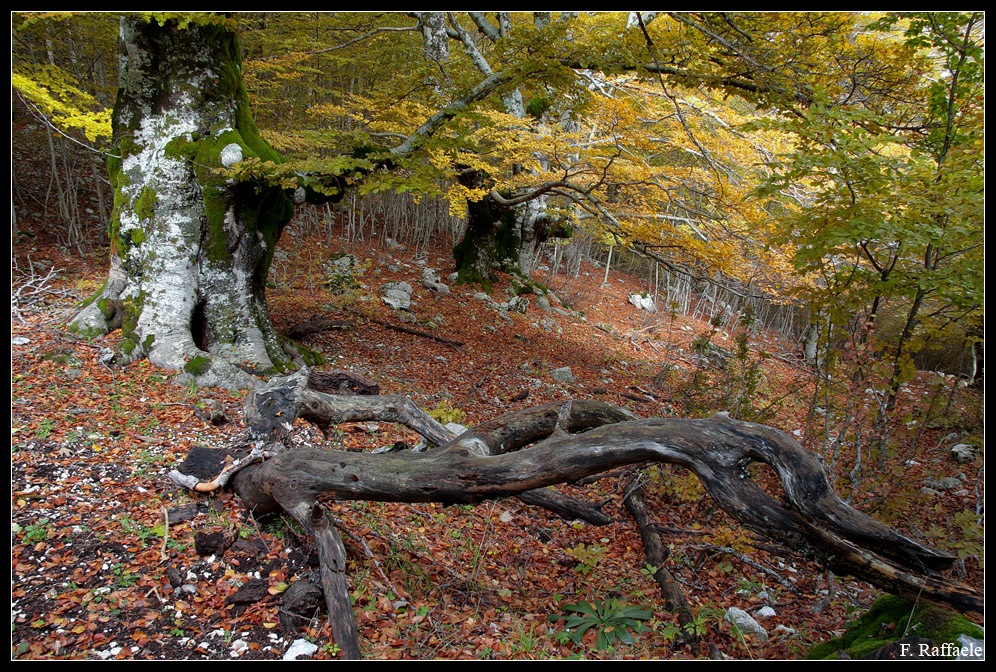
x=943 y=483
x=549 y=324
x=397 y=295
x=745 y=624
x=300 y=647
x=643 y=302
x=716 y=355
x=971 y=648
x=430 y=280
x=563 y=375
x=517 y=304
x=964 y=453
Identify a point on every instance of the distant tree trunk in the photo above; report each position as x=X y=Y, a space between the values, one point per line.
x=490 y=241
x=190 y=249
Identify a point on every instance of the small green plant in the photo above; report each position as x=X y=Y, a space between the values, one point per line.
x=36 y=532
x=611 y=619
x=749 y=587
x=45 y=428
x=696 y=627
x=588 y=557
x=525 y=642
x=445 y=413
x=123 y=576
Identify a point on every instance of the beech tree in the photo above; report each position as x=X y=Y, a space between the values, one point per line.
x=190 y=249
x=188 y=151
x=892 y=210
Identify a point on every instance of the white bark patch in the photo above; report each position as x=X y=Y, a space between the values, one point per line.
x=165 y=262
x=231 y=154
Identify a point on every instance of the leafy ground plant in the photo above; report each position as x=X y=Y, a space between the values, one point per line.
x=612 y=620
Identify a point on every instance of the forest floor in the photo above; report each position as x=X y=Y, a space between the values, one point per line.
x=97 y=572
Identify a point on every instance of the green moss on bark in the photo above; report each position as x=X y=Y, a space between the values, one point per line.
x=490 y=239
x=197 y=366
x=310 y=357
x=128 y=346
x=892 y=618
x=132 y=308
x=145 y=205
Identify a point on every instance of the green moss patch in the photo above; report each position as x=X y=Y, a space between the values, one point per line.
x=892 y=618
x=197 y=366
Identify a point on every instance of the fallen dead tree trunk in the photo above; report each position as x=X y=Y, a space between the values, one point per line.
x=561 y=443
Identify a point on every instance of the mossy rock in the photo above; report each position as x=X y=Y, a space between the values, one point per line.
x=62 y=357
x=891 y=618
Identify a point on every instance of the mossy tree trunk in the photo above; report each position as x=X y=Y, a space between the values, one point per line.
x=501 y=237
x=491 y=240
x=190 y=248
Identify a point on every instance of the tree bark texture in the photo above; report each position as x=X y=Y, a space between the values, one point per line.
x=190 y=248
x=491 y=240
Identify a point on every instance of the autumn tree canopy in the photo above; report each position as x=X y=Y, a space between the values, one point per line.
x=713 y=143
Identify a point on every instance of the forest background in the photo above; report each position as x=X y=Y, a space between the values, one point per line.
x=811 y=180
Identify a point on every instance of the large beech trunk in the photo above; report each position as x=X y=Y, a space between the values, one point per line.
x=190 y=248
x=560 y=443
